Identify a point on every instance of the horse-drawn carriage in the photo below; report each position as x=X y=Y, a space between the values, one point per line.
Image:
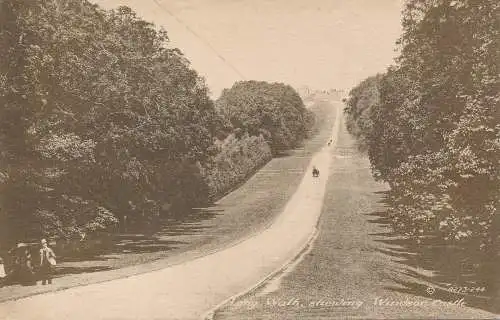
x=315 y=172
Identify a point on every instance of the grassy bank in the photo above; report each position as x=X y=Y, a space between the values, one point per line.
x=357 y=267
x=239 y=214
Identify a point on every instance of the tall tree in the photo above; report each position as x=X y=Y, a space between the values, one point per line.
x=99 y=118
x=434 y=133
x=274 y=110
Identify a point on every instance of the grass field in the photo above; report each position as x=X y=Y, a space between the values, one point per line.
x=356 y=268
x=238 y=215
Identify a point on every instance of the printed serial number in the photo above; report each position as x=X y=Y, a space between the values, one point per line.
x=462 y=290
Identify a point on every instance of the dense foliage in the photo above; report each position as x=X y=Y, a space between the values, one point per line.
x=236 y=160
x=99 y=119
x=358 y=109
x=103 y=125
x=273 y=110
x=433 y=132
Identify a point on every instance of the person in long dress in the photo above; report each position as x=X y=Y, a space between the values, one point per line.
x=47 y=262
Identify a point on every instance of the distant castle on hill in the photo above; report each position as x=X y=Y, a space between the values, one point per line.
x=306 y=93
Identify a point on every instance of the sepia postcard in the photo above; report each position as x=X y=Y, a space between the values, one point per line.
x=249 y=159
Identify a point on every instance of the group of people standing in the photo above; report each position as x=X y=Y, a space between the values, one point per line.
x=23 y=269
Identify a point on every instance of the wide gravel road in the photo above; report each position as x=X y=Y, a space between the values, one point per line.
x=190 y=289
x=357 y=267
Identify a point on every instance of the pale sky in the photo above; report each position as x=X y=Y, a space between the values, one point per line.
x=319 y=43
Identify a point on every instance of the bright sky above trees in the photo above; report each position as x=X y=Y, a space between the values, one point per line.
x=320 y=43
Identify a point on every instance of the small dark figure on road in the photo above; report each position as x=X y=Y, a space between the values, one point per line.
x=330 y=142
x=315 y=172
x=47 y=262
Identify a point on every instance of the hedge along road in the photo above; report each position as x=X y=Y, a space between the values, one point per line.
x=245 y=211
x=190 y=289
x=357 y=267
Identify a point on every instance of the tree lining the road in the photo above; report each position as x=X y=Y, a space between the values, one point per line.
x=431 y=124
x=102 y=120
x=237 y=159
x=263 y=119
x=273 y=110
x=358 y=109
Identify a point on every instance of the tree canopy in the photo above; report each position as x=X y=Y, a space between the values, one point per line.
x=434 y=130
x=362 y=99
x=99 y=118
x=102 y=122
x=274 y=110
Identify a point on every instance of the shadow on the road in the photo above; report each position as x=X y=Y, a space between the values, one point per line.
x=160 y=235
x=101 y=252
x=283 y=154
x=146 y=244
x=79 y=258
x=453 y=272
x=62 y=271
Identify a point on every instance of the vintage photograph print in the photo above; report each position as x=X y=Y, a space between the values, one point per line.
x=249 y=159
